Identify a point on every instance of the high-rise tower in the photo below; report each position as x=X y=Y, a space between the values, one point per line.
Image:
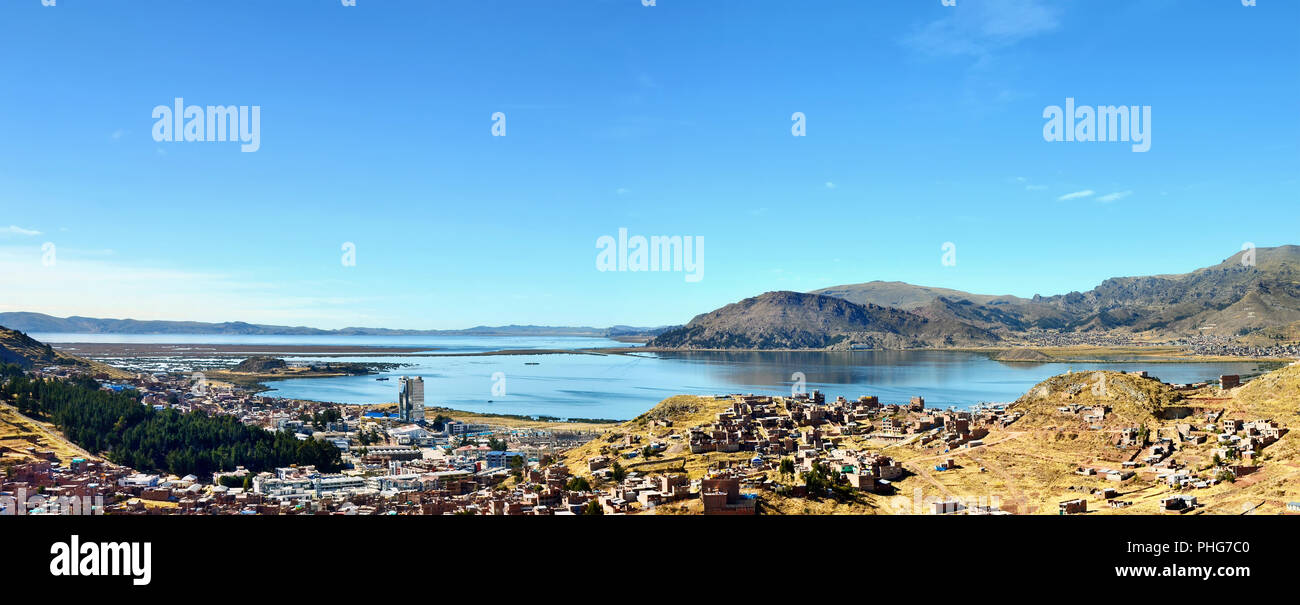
x=410 y=401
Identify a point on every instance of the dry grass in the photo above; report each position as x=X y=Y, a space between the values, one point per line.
x=18 y=432
x=684 y=411
x=1029 y=466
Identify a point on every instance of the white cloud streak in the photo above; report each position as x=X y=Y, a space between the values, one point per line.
x=16 y=230
x=1076 y=195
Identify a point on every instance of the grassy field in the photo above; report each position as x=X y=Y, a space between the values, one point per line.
x=18 y=432
x=684 y=411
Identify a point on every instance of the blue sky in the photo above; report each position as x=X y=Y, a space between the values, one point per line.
x=924 y=126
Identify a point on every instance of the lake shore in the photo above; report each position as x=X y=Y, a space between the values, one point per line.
x=1066 y=354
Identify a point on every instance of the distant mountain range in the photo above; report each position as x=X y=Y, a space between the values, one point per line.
x=1259 y=300
x=1231 y=299
x=41 y=323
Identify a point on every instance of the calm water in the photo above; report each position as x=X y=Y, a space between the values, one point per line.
x=439 y=344
x=623 y=386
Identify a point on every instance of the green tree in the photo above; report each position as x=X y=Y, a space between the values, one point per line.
x=135 y=435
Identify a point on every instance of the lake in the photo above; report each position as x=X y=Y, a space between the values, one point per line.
x=624 y=386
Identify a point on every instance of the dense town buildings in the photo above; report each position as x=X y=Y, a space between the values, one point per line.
x=405 y=463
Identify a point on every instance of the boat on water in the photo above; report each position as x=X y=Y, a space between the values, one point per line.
x=531 y=363
x=382 y=378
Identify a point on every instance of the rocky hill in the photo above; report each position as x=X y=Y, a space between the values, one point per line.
x=902 y=295
x=1231 y=299
x=1133 y=400
x=29 y=353
x=793 y=320
x=260 y=365
x=21 y=349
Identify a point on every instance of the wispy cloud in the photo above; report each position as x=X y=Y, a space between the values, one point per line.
x=1028 y=186
x=1111 y=197
x=92 y=283
x=979 y=28
x=1076 y=195
x=16 y=230
x=830 y=185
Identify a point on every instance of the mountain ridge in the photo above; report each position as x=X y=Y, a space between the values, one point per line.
x=1228 y=299
x=795 y=320
x=39 y=322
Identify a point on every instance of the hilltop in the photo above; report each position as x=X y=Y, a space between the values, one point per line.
x=260 y=364
x=1275 y=394
x=1132 y=399
x=902 y=295
x=677 y=411
x=793 y=320
x=1247 y=293
x=21 y=349
x=27 y=352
